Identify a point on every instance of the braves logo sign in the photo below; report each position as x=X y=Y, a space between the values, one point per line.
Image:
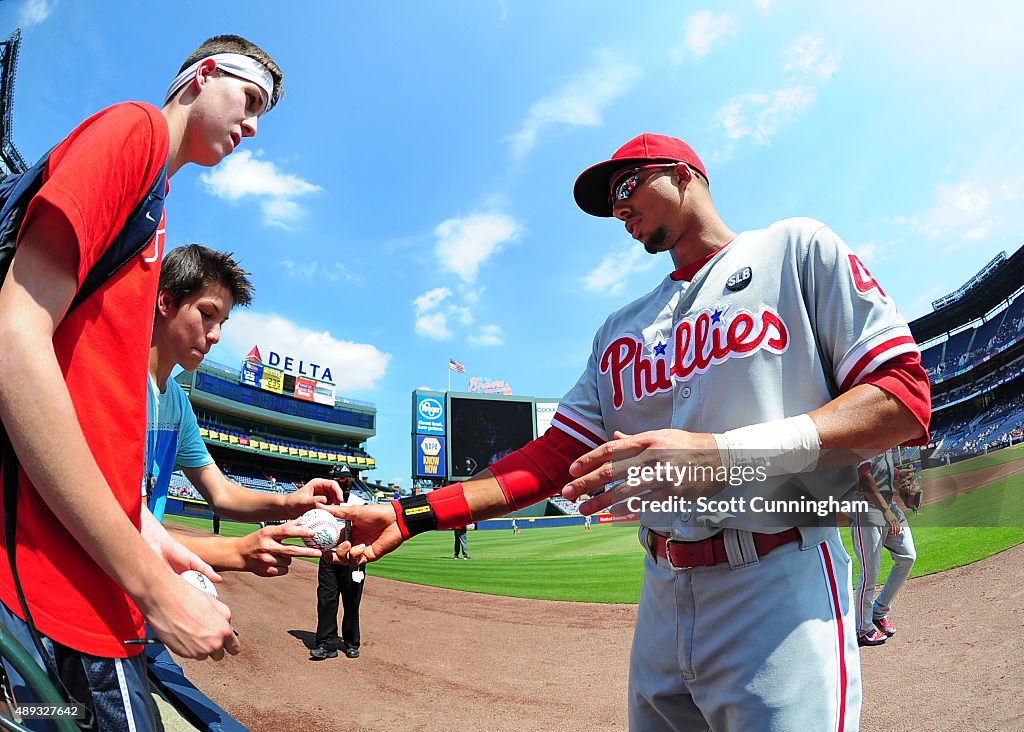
x=699 y=342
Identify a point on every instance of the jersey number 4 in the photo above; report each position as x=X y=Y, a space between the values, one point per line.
x=862 y=279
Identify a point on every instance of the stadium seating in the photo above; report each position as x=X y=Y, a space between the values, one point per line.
x=565 y=505
x=262 y=443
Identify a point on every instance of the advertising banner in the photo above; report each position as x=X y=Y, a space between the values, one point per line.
x=429 y=415
x=544 y=411
x=607 y=518
x=251 y=374
x=273 y=380
x=323 y=393
x=430 y=458
x=304 y=388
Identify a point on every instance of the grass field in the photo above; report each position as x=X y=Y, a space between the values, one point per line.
x=606 y=565
x=1006 y=455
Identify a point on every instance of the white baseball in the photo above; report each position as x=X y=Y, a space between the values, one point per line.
x=328 y=529
x=200 y=580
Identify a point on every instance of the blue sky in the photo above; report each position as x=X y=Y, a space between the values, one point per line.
x=410 y=200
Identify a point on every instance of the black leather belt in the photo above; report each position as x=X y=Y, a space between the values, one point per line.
x=711 y=551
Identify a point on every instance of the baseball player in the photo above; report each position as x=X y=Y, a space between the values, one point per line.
x=882 y=524
x=777 y=341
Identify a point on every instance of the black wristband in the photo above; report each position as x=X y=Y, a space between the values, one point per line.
x=417 y=514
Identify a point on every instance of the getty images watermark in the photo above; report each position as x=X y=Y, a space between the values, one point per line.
x=663 y=476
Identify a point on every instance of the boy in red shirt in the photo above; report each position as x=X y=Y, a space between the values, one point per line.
x=73 y=392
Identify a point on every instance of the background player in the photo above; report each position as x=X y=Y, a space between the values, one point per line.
x=882 y=525
x=773 y=342
x=72 y=396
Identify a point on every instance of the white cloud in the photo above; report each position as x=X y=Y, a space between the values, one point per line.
x=34 y=12
x=355 y=367
x=703 y=30
x=282 y=213
x=962 y=210
x=758 y=116
x=763 y=5
x=430 y=300
x=330 y=271
x=867 y=252
x=464 y=244
x=242 y=175
x=578 y=103
x=489 y=335
x=612 y=273
x=1012 y=189
x=433 y=308
x=304 y=270
x=434 y=325
x=807 y=58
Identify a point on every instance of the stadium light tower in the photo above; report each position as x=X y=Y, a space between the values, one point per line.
x=10 y=159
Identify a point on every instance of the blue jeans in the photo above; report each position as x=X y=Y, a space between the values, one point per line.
x=114 y=688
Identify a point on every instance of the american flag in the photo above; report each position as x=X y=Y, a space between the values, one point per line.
x=456 y=366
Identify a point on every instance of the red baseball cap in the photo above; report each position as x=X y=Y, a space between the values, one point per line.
x=593 y=188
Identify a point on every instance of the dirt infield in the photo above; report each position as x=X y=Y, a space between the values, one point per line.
x=935 y=489
x=438 y=659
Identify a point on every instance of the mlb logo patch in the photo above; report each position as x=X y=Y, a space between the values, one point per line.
x=739 y=279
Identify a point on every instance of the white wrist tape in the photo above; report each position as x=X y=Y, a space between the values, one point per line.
x=782 y=447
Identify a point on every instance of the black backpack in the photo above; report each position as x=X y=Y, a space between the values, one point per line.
x=16 y=191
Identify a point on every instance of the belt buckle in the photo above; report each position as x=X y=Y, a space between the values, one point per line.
x=669 y=541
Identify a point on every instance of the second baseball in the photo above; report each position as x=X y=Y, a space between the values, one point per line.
x=328 y=529
x=200 y=580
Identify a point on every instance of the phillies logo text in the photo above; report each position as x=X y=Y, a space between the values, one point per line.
x=699 y=341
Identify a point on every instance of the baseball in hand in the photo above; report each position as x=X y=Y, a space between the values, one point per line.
x=328 y=529
x=200 y=580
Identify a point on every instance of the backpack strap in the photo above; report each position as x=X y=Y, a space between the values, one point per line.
x=15 y=192
x=139 y=228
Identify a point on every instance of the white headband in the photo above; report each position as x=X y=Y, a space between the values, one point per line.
x=235 y=64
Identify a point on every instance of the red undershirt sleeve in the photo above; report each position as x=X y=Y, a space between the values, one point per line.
x=905 y=379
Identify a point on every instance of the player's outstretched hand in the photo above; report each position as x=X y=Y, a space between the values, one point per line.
x=313 y=495
x=264 y=553
x=187 y=620
x=372 y=533
x=617 y=470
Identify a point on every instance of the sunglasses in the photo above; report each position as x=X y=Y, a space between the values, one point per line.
x=627 y=181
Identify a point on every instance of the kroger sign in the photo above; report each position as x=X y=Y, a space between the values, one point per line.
x=429 y=415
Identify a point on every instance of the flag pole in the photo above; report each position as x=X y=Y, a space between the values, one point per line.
x=449 y=374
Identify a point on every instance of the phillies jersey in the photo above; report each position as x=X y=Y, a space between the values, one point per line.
x=776 y=324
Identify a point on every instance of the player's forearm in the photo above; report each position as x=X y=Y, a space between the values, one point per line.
x=862 y=422
x=485 y=497
x=43 y=427
x=870 y=490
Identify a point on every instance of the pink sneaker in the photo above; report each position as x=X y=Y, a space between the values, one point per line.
x=884 y=625
x=872 y=638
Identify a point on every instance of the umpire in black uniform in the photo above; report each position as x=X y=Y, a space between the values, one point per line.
x=334 y=580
